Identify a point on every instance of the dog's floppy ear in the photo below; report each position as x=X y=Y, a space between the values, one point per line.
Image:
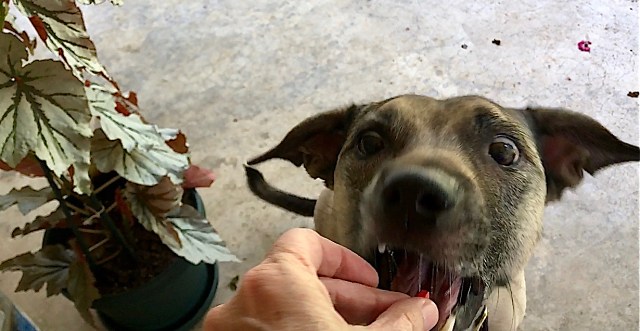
x=315 y=142
x=570 y=143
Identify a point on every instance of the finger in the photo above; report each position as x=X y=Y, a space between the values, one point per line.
x=215 y=319
x=324 y=257
x=225 y=318
x=413 y=314
x=359 y=304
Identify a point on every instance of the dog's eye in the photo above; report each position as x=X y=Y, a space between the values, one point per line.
x=370 y=143
x=504 y=151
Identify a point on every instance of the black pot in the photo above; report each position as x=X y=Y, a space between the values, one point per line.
x=175 y=300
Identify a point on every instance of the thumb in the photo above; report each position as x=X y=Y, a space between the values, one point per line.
x=413 y=314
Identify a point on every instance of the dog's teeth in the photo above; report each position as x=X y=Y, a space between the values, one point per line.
x=450 y=323
x=382 y=248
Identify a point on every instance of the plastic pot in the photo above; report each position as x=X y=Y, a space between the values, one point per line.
x=175 y=300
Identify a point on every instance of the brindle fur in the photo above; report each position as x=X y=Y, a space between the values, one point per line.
x=493 y=231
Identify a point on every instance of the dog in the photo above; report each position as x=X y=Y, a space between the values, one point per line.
x=444 y=196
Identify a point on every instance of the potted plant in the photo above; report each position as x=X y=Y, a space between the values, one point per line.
x=129 y=235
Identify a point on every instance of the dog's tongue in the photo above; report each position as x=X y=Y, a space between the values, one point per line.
x=415 y=274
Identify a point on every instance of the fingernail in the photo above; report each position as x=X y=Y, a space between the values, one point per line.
x=430 y=314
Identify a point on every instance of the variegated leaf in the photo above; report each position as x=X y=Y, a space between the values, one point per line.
x=54 y=219
x=16 y=26
x=159 y=199
x=81 y=180
x=82 y=288
x=29 y=166
x=149 y=205
x=179 y=143
x=43 y=109
x=140 y=166
x=26 y=198
x=130 y=129
x=48 y=266
x=199 y=241
x=60 y=25
x=169 y=133
x=97 y=2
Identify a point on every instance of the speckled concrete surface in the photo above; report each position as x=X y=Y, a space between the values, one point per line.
x=236 y=75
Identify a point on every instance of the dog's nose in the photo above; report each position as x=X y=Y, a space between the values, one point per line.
x=420 y=194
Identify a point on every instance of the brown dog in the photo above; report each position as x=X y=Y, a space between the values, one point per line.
x=445 y=196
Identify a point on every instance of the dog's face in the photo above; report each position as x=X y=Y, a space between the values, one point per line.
x=446 y=195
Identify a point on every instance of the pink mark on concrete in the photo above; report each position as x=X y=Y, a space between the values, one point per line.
x=584 y=46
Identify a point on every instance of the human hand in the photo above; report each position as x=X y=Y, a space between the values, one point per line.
x=308 y=282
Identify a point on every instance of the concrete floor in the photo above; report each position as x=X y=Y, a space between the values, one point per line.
x=236 y=75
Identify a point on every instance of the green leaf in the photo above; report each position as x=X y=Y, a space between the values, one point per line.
x=141 y=166
x=82 y=288
x=54 y=219
x=60 y=25
x=198 y=240
x=4 y=10
x=26 y=198
x=43 y=109
x=48 y=266
x=130 y=130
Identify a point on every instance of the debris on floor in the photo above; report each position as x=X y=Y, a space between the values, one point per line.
x=633 y=94
x=464 y=46
x=233 y=284
x=496 y=42
x=583 y=46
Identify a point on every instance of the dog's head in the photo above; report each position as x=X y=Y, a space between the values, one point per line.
x=445 y=195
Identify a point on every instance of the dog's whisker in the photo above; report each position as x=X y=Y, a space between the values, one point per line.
x=393 y=264
x=390 y=261
x=434 y=267
x=513 y=305
x=406 y=221
x=420 y=274
x=450 y=284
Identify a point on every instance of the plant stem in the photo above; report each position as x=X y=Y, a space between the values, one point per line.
x=96 y=214
x=97 y=208
x=104 y=216
x=92 y=231
x=67 y=213
x=105 y=185
x=100 y=243
x=78 y=210
x=110 y=257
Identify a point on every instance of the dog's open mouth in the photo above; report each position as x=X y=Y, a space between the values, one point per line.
x=459 y=299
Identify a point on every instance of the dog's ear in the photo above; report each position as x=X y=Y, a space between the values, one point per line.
x=570 y=143
x=315 y=142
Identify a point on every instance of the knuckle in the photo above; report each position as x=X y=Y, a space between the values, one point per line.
x=301 y=231
x=297 y=233
x=253 y=278
x=258 y=279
